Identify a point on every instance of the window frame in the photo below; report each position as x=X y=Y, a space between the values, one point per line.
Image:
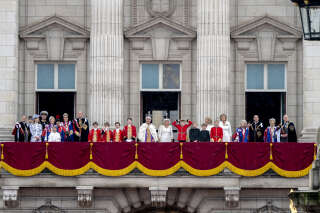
x=161 y=72
x=56 y=77
x=265 y=78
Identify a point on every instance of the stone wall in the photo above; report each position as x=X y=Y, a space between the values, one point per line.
x=136 y=192
x=243 y=15
x=9 y=83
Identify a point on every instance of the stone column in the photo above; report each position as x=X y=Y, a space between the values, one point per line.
x=106 y=62
x=311 y=90
x=213 y=58
x=9 y=28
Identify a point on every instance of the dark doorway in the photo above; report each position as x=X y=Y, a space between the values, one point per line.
x=265 y=104
x=168 y=102
x=56 y=103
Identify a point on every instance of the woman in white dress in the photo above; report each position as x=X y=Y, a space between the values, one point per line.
x=165 y=131
x=226 y=126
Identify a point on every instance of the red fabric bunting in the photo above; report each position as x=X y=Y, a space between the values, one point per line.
x=113 y=156
x=287 y=159
x=203 y=156
x=24 y=156
x=68 y=156
x=293 y=156
x=249 y=156
x=158 y=156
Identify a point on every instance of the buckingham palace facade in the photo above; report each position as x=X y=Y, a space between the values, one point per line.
x=186 y=59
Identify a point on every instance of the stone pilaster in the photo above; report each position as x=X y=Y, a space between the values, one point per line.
x=311 y=90
x=9 y=27
x=106 y=61
x=213 y=58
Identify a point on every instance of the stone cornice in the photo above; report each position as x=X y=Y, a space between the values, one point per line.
x=27 y=31
x=240 y=31
x=185 y=31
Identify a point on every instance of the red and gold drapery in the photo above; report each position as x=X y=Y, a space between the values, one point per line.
x=158 y=159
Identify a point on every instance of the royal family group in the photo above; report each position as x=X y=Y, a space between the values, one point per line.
x=38 y=128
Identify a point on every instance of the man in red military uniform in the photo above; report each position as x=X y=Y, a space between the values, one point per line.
x=216 y=133
x=182 y=129
x=129 y=131
x=95 y=133
x=117 y=133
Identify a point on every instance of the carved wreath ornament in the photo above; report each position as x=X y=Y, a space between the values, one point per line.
x=166 y=13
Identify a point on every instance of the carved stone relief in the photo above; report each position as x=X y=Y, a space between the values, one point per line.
x=160 y=7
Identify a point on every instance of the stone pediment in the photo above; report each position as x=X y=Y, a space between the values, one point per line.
x=265 y=24
x=39 y=29
x=160 y=26
x=55 y=32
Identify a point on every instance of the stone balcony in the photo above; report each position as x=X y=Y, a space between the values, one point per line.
x=136 y=192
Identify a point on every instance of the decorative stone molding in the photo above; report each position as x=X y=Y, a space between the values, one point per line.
x=56 y=31
x=161 y=31
x=266 y=45
x=168 y=13
x=85 y=196
x=269 y=207
x=48 y=208
x=187 y=11
x=261 y=37
x=232 y=195
x=55 y=44
x=10 y=196
x=158 y=196
x=134 y=14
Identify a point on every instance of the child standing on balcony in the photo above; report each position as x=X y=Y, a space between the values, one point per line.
x=107 y=133
x=182 y=129
x=129 y=131
x=204 y=133
x=216 y=133
x=194 y=133
x=117 y=133
x=95 y=133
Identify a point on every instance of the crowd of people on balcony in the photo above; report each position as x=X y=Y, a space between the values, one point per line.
x=40 y=129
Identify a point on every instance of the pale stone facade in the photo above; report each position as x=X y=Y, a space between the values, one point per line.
x=108 y=40
x=135 y=192
x=213 y=43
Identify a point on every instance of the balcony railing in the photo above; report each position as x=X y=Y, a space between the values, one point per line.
x=158 y=159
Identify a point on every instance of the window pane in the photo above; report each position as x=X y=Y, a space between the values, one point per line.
x=45 y=76
x=276 y=76
x=255 y=73
x=66 y=76
x=150 y=76
x=171 y=76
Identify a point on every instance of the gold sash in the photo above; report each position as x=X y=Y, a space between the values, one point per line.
x=148 y=135
x=108 y=136
x=117 y=137
x=94 y=139
x=129 y=132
